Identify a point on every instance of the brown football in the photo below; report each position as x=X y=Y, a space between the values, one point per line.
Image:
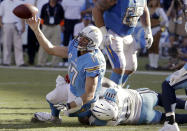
x=25 y=11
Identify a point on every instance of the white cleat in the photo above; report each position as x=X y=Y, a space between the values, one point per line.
x=169 y=127
x=45 y=117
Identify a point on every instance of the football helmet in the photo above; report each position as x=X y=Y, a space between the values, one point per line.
x=89 y=38
x=105 y=110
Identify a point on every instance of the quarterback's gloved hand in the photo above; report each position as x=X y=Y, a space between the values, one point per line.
x=148 y=37
x=110 y=94
x=176 y=76
x=61 y=106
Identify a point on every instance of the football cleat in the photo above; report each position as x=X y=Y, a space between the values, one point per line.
x=169 y=127
x=45 y=117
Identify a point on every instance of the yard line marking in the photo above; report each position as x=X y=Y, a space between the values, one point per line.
x=65 y=69
x=13 y=83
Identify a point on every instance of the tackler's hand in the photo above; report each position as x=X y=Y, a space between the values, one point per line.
x=61 y=106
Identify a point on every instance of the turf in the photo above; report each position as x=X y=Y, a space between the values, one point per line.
x=22 y=92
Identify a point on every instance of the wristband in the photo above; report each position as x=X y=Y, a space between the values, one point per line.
x=78 y=101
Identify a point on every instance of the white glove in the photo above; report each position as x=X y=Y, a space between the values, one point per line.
x=186 y=26
x=148 y=37
x=61 y=106
x=176 y=76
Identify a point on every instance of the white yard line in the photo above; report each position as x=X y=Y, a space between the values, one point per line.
x=65 y=69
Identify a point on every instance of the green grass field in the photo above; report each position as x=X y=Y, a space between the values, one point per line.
x=22 y=93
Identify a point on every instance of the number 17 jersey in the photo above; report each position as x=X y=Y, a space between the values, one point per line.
x=90 y=64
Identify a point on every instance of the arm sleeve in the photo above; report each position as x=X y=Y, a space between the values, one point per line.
x=92 y=71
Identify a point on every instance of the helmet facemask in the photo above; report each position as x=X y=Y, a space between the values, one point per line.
x=84 y=43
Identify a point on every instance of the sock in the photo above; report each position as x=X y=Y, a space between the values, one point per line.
x=151 y=63
x=155 y=59
x=170 y=117
x=185 y=107
x=54 y=111
x=117 y=78
x=124 y=79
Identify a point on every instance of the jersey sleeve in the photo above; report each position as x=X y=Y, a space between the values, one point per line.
x=93 y=68
x=93 y=71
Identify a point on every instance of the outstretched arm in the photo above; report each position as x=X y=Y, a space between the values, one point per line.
x=51 y=49
x=145 y=20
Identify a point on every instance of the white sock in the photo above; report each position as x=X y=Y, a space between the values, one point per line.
x=151 y=62
x=156 y=57
x=170 y=113
x=185 y=107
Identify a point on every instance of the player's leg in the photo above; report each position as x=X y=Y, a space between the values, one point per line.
x=58 y=95
x=148 y=114
x=130 y=51
x=169 y=101
x=180 y=103
x=115 y=53
x=7 y=43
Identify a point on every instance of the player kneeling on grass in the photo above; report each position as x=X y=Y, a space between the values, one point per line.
x=86 y=70
x=177 y=80
x=128 y=106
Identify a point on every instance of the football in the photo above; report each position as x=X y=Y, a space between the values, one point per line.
x=25 y=11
